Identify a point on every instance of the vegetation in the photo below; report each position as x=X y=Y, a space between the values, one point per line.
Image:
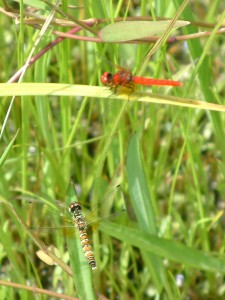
x=159 y=152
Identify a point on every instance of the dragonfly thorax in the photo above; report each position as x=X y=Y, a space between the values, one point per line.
x=121 y=78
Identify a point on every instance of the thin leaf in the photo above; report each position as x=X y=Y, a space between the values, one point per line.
x=133 y=30
x=5 y=153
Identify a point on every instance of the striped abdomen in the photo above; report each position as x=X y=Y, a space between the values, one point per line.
x=75 y=208
x=88 y=252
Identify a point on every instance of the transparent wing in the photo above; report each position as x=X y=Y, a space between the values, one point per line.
x=101 y=58
x=104 y=210
x=43 y=214
x=56 y=214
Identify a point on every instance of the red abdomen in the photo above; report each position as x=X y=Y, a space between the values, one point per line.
x=152 y=81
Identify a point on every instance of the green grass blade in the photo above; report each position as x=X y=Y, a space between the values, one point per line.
x=7 y=149
x=144 y=208
x=82 y=273
x=165 y=248
x=138 y=188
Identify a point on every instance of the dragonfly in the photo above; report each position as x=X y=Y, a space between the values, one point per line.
x=76 y=220
x=75 y=209
x=125 y=78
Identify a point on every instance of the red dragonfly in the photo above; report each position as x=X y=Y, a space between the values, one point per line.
x=125 y=78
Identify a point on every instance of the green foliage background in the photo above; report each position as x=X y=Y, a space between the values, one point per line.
x=168 y=160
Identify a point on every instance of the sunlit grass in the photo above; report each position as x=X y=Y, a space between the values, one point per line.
x=164 y=146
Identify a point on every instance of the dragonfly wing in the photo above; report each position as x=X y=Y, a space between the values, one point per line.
x=112 y=65
x=95 y=224
x=102 y=211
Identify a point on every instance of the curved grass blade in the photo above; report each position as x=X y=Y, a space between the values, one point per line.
x=98 y=92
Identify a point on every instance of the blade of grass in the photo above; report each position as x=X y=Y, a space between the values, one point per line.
x=163 y=38
x=143 y=206
x=101 y=92
x=7 y=149
x=165 y=248
x=82 y=273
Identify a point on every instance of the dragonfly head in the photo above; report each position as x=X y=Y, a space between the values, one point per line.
x=107 y=78
x=75 y=207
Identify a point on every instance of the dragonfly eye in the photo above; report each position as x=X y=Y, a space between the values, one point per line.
x=106 y=78
x=75 y=207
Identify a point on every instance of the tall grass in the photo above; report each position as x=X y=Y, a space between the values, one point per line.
x=168 y=160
